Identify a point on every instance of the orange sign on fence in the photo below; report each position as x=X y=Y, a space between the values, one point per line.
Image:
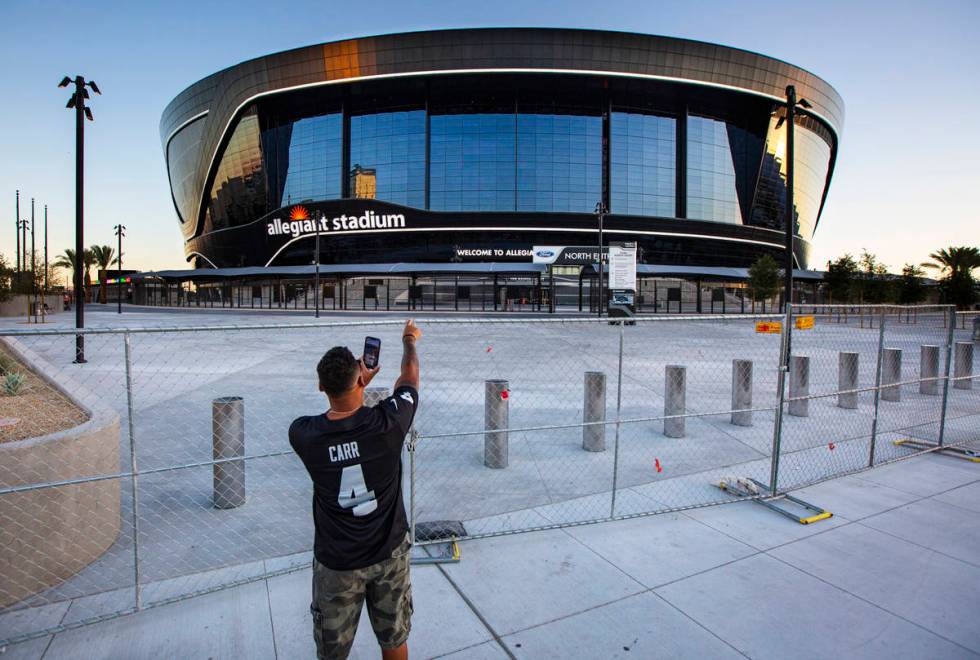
x=804 y=323
x=770 y=327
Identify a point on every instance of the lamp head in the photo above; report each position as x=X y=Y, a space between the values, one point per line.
x=65 y=82
x=95 y=88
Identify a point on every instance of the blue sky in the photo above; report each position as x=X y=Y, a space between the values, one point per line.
x=906 y=181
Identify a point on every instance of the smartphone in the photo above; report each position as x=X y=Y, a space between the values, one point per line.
x=372 y=352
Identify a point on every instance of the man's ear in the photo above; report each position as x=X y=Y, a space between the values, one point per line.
x=319 y=386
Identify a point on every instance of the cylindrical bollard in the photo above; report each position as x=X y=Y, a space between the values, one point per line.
x=496 y=416
x=675 y=400
x=799 y=385
x=594 y=410
x=891 y=372
x=929 y=369
x=963 y=365
x=228 y=441
x=741 y=392
x=847 y=379
x=375 y=395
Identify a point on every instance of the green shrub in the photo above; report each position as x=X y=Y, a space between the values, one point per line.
x=7 y=364
x=13 y=383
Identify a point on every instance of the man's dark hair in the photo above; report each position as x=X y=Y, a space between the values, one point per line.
x=337 y=370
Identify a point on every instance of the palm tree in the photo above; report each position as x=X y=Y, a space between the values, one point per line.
x=67 y=261
x=956 y=266
x=103 y=256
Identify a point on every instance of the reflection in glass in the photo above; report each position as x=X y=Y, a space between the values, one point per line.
x=181 y=152
x=642 y=164
x=312 y=166
x=711 y=191
x=472 y=162
x=559 y=162
x=812 y=159
x=387 y=155
x=238 y=194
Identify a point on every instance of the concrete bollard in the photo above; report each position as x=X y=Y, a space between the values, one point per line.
x=741 y=392
x=799 y=385
x=891 y=372
x=594 y=410
x=375 y=395
x=496 y=416
x=963 y=365
x=675 y=400
x=928 y=368
x=847 y=379
x=228 y=441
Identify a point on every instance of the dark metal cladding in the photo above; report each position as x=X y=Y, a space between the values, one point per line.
x=697 y=91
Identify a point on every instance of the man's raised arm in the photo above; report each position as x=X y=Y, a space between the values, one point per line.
x=410 y=358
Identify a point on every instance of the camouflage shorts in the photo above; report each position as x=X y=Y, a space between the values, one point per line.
x=338 y=597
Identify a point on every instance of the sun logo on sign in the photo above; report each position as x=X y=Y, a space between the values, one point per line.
x=299 y=213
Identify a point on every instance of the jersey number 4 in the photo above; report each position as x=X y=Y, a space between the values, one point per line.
x=354 y=493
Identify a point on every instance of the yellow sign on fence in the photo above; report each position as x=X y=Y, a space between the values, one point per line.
x=804 y=323
x=770 y=327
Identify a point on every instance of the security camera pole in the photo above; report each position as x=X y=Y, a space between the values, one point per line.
x=120 y=232
x=77 y=101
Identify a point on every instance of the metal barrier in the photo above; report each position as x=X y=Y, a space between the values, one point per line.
x=524 y=425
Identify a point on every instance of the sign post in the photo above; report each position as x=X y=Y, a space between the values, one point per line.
x=622 y=279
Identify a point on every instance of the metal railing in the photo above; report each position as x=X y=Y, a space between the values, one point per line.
x=524 y=424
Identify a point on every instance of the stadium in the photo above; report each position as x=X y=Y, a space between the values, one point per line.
x=455 y=152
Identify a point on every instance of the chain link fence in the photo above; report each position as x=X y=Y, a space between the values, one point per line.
x=160 y=469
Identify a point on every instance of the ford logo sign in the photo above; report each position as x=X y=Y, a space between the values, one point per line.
x=544 y=254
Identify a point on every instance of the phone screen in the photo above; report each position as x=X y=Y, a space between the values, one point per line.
x=372 y=351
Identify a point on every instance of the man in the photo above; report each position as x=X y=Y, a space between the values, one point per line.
x=361 y=547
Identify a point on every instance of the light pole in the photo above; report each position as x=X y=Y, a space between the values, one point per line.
x=600 y=211
x=120 y=232
x=46 y=283
x=316 y=261
x=22 y=260
x=77 y=101
x=17 y=231
x=33 y=262
x=790 y=220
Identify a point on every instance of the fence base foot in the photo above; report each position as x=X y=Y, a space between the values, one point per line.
x=748 y=487
x=957 y=452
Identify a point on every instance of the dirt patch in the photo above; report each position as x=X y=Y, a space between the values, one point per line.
x=37 y=409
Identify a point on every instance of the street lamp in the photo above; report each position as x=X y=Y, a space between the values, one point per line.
x=600 y=211
x=17 y=232
x=82 y=112
x=120 y=232
x=790 y=222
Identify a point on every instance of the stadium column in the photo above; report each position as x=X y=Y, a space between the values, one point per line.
x=680 y=176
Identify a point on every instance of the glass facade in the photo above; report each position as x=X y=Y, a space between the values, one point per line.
x=239 y=192
x=182 y=150
x=812 y=160
x=711 y=190
x=472 y=166
x=559 y=162
x=642 y=167
x=387 y=155
x=313 y=150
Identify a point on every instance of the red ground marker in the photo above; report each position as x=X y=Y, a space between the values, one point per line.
x=656 y=464
x=831 y=445
x=504 y=394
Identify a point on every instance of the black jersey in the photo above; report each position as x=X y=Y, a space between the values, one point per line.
x=355 y=464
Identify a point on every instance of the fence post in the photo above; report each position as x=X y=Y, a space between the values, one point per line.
x=847 y=379
x=132 y=468
x=675 y=399
x=496 y=416
x=594 y=410
x=777 y=426
x=741 y=392
x=929 y=369
x=877 y=398
x=949 y=320
x=891 y=372
x=799 y=385
x=963 y=365
x=619 y=405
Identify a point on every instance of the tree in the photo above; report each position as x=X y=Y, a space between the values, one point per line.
x=763 y=279
x=840 y=277
x=104 y=256
x=6 y=279
x=957 y=285
x=874 y=281
x=910 y=287
x=66 y=260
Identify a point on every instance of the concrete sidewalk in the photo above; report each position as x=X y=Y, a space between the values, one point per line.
x=895 y=574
